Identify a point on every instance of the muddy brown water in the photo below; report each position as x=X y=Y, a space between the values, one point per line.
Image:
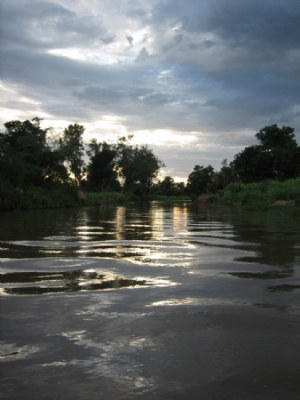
x=156 y=301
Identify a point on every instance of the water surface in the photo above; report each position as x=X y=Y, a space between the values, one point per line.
x=150 y=302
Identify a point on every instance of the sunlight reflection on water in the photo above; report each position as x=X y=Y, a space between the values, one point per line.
x=156 y=302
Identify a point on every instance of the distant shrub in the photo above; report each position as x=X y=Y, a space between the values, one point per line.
x=35 y=197
x=260 y=194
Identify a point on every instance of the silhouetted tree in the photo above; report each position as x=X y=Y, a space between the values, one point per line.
x=225 y=176
x=272 y=137
x=72 y=145
x=25 y=157
x=101 y=170
x=201 y=180
x=254 y=164
x=168 y=187
x=276 y=157
x=138 y=167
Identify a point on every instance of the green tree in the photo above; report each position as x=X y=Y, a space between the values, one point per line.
x=272 y=137
x=167 y=186
x=101 y=170
x=138 y=166
x=282 y=144
x=225 y=176
x=24 y=153
x=201 y=180
x=180 y=189
x=277 y=156
x=56 y=169
x=254 y=164
x=73 y=148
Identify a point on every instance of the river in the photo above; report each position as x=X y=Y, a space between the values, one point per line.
x=156 y=302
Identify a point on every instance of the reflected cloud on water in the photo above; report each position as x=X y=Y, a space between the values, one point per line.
x=263 y=275
x=119 y=231
x=115 y=360
x=47 y=282
x=286 y=287
x=197 y=244
x=196 y=301
x=148 y=301
x=10 y=351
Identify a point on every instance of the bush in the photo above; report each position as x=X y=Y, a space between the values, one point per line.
x=35 y=197
x=260 y=194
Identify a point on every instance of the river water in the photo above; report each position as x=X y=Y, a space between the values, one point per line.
x=151 y=302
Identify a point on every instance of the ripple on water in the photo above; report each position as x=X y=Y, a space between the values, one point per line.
x=10 y=351
x=39 y=277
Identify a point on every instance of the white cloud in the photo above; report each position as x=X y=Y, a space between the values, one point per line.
x=163 y=137
x=194 y=80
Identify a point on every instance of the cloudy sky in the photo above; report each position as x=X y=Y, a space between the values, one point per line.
x=193 y=79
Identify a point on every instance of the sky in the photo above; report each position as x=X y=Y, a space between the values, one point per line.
x=193 y=79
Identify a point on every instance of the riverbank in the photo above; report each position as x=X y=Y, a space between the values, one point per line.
x=65 y=196
x=266 y=195
x=60 y=196
x=261 y=195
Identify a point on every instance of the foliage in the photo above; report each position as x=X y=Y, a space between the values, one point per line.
x=22 y=155
x=261 y=194
x=138 y=167
x=258 y=176
x=276 y=157
x=35 y=167
x=101 y=170
x=168 y=187
x=254 y=164
x=32 y=197
x=272 y=137
x=99 y=198
x=73 y=149
x=25 y=156
x=225 y=176
x=201 y=180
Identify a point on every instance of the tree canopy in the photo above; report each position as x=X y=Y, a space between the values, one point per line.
x=272 y=137
x=200 y=180
x=72 y=144
x=31 y=156
x=101 y=170
x=25 y=156
x=138 y=166
x=276 y=157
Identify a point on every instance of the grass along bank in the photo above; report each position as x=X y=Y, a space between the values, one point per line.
x=58 y=196
x=261 y=195
x=63 y=196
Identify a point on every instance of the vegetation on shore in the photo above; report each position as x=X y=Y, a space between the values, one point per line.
x=269 y=194
x=42 y=169
x=64 y=196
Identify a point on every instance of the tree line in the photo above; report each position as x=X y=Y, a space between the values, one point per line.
x=276 y=156
x=33 y=156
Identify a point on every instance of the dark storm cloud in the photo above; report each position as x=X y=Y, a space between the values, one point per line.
x=261 y=35
x=254 y=22
x=257 y=23
x=45 y=24
x=49 y=70
x=115 y=95
x=223 y=67
x=247 y=52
